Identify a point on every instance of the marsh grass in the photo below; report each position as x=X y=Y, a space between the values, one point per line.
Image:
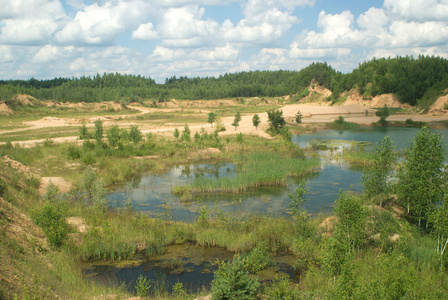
x=256 y=170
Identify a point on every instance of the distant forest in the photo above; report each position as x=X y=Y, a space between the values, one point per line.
x=417 y=81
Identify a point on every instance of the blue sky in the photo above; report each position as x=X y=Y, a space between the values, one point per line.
x=64 y=38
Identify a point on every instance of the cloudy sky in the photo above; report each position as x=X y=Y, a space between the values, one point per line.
x=161 y=38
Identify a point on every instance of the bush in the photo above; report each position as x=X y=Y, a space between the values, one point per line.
x=232 y=281
x=280 y=289
x=257 y=259
x=142 y=286
x=73 y=152
x=51 y=218
x=135 y=134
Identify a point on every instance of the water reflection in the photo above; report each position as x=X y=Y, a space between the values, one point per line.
x=152 y=194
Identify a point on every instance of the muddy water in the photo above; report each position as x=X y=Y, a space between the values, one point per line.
x=187 y=264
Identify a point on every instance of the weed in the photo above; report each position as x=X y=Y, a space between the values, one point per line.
x=142 y=286
x=232 y=281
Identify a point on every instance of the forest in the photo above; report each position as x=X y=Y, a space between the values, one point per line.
x=416 y=81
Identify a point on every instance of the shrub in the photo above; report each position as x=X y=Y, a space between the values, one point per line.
x=51 y=218
x=232 y=281
x=83 y=133
x=142 y=286
x=113 y=136
x=186 y=134
x=280 y=289
x=73 y=152
x=135 y=134
x=257 y=259
x=276 y=120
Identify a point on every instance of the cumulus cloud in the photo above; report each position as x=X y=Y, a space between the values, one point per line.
x=145 y=32
x=29 y=21
x=184 y=27
x=101 y=24
x=417 y=10
x=50 y=53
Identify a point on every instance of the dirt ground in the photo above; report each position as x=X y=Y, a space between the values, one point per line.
x=314 y=113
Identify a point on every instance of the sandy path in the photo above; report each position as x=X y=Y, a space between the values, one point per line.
x=312 y=114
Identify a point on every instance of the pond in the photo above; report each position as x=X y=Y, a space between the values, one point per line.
x=194 y=266
x=152 y=194
x=190 y=265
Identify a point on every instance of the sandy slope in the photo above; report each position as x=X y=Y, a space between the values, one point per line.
x=315 y=111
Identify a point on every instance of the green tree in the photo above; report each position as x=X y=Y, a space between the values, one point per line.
x=299 y=117
x=352 y=220
x=276 y=120
x=233 y=282
x=383 y=113
x=422 y=176
x=375 y=176
x=135 y=134
x=439 y=218
x=113 y=136
x=176 y=133
x=93 y=188
x=211 y=117
x=186 y=134
x=236 y=121
x=99 y=132
x=256 y=121
x=83 y=133
x=51 y=218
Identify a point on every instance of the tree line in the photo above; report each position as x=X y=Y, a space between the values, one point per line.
x=417 y=81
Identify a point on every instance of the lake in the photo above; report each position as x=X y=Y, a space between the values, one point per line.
x=152 y=194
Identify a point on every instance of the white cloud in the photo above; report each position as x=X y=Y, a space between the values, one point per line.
x=161 y=53
x=184 y=27
x=254 y=10
x=145 y=32
x=6 y=55
x=336 y=31
x=98 y=25
x=417 y=10
x=273 y=26
x=413 y=34
x=28 y=21
x=50 y=53
x=226 y=53
x=374 y=20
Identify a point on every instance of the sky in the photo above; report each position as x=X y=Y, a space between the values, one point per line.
x=45 y=39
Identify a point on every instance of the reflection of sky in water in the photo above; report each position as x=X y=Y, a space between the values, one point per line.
x=154 y=191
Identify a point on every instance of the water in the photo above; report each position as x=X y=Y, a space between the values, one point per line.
x=153 y=196
x=193 y=266
x=188 y=264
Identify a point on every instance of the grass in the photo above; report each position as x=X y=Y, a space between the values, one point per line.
x=256 y=170
x=118 y=234
x=407 y=268
x=41 y=133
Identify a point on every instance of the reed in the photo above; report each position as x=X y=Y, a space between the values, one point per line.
x=257 y=170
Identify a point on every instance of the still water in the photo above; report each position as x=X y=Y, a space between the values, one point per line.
x=193 y=266
x=152 y=194
x=190 y=265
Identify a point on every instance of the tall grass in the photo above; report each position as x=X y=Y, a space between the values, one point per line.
x=258 y=169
